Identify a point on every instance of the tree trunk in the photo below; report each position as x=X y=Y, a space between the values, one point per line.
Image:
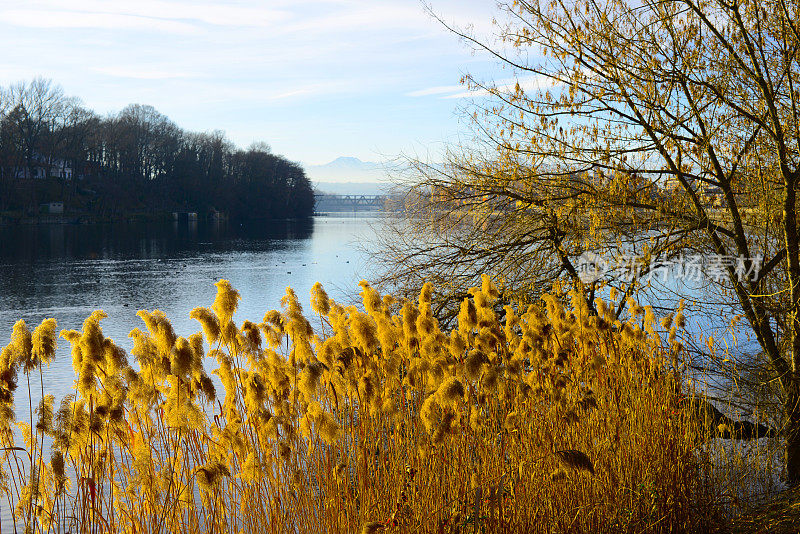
x=792 y=408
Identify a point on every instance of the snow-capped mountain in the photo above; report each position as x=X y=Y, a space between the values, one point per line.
x=347 y=169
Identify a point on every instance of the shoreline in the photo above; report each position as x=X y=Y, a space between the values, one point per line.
x=43 y=220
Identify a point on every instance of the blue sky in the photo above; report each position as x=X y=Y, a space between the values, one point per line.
x=314 y=79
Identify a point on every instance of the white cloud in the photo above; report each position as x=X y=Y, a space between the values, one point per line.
x=368 y=17
x=528 y=84
x=30 y=18
x=104 y=12
x=314 y=17
x=217 y=14
x=284 y=90
x=438 y=90
x=141 y=74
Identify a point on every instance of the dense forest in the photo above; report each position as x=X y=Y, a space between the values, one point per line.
x=133 y=164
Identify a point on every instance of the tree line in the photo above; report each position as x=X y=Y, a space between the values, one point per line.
x=136 y=162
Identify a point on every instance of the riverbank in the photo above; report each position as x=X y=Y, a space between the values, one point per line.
x=16 y=218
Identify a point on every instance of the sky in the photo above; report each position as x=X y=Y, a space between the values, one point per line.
x=316 y=80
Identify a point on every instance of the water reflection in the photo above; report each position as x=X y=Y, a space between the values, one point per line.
x=41 y=243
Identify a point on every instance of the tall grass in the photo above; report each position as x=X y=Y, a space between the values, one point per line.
x=549 y=419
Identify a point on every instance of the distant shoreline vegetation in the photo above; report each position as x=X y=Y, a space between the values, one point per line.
x=61 y=162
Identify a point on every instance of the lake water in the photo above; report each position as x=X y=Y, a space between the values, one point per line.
x=67 y=271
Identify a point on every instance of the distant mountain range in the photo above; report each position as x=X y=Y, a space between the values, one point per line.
x=347 y=169
x=349 y=176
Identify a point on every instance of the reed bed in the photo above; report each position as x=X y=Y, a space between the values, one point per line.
x=362 y=419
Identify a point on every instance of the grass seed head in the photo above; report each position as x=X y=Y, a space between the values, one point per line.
x=467 y=316
x=208 y=321
x=22 y=345
x=451 y=390
x=320 y=303
x=181 y=357
x=44 y=341
x=474 y=364
x=252 y=335
x=226 y=301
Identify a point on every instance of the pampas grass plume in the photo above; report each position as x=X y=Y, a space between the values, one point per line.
x=208 y=321
x=44 y=341
x=320 y=303
x=226 y=301
x=22 y=345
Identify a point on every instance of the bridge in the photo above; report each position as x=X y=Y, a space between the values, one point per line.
x=327 y=202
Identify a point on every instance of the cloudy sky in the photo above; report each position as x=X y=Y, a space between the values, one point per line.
x=314 y=79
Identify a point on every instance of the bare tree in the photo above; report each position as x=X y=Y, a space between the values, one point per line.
x=41 y=106
x=655 y=128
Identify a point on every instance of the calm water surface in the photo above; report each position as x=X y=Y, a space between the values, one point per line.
x=67 y=271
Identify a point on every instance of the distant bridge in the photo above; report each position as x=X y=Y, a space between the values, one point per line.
x=326 y=202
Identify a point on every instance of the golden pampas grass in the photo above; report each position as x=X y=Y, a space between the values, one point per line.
x=208 y=321
x=57 y=465
x=428 y=413
x=329 y=429
x=602 y=308
x=409 y=317
x=22 y=345
x=370 y=298
x=309 y=379
x=160 y=329
x=44 y=341
x=467 y=316
x=363 y=331
x=226 y=301
x=252 y=335
x=457 y=345
x=451 y=390
x=474 y=363
x=115 y=358
x=488 y=288
x=680 y=320
x=274 y=318
x=320 y=303
x=273 y=334
x=45 y=413
x=319 y=426
x=181 y=357
x=144 y=348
